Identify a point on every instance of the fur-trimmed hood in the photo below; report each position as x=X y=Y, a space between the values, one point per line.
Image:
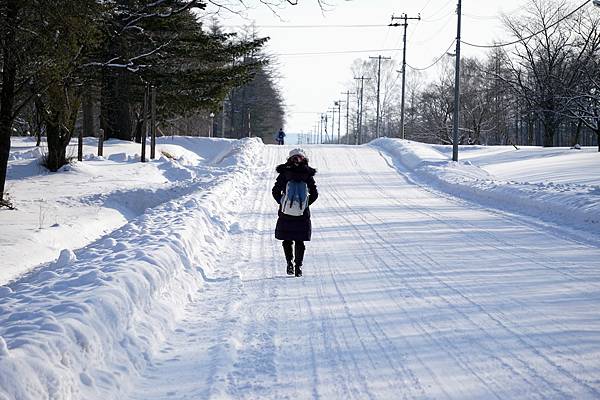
x=296 y=172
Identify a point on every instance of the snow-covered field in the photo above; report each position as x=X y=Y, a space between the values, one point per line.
x=87 y=200
x=425 y=278
x=558 y=185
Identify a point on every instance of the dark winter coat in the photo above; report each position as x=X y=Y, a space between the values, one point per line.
x=291 y=227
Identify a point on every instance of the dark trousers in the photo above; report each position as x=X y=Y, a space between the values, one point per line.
x=289 y=251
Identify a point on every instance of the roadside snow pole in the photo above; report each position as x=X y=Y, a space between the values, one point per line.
x=249 y=124
x=145 y=122
x=80 y=145
x=223 y=120
x=101 y=142
x=212 y=124
x=153 y=124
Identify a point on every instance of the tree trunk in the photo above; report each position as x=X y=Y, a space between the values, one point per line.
x=60 y=116
x=577 y=133
x=7 y=93
x=139 y=121
x=530 y=131
x=89 y=130
x=56 y=156
x=5 y=127
x=38 y=135
x=115 y=117
x=549 y=132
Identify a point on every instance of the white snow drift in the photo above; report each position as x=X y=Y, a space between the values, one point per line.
x=560 y=185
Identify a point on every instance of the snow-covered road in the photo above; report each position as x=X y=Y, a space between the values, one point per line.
x=408 y=293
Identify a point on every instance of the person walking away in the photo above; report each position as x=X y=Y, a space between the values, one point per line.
x=280 y=136
x=294 y=190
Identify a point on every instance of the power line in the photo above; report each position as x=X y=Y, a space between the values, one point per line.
x=334 y=52
x=406 y=18
x=435 y=34
x=440 y=10
x=530 y=36
x=450 y=13
x=425 y=6
x=312 y=26
x=436 y=61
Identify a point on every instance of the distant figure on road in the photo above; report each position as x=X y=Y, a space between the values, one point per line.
x=280 y=136
x=294 y=190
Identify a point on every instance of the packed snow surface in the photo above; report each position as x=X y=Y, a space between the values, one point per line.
x=417 y=285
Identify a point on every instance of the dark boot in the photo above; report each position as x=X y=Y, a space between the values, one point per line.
x=298 y=272
x=299 y=257
x=289 y=256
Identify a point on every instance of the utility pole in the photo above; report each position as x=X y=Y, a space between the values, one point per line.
x=380 y=57
x=332 y=123
x=339 y=106
x=360 y=108
x=456 y=88
x=320 y=133
x=348 y=115
x=405 y=25
x=357 y=116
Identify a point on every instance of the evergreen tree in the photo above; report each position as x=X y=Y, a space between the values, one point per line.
x=191 y=66
x=256 y=109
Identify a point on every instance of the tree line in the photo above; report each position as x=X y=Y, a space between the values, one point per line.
x=542 y=89
x=66 y=61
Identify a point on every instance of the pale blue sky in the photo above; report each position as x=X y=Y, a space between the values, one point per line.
x=311 y=83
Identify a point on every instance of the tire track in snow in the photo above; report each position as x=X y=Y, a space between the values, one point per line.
x=381 y=261
x=333 y=351
x=478 y=306
x=384 y=243
x=408 y=376
x=253 y=373
x=492 y=238
x=519 y=249
x=425 y=259
x=577 y=281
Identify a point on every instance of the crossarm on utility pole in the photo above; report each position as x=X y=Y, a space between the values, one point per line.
x=405 y=25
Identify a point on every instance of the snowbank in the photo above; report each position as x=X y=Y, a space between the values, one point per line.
x=565 y=203
x=89 y=199
x=82 y=326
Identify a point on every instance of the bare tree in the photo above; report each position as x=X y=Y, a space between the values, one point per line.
x=476 y=102
x=583 y=95
x=542 y=61
x=436 y=104
x=504 y=115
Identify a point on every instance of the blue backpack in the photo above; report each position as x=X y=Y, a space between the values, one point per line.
x=295 y=198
